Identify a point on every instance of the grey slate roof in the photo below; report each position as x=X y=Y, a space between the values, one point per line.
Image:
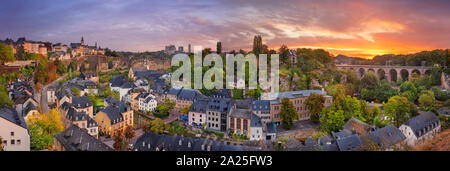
x=354 y=125
x=310 y=142
x=199 y=106
x=241 y=113
x=11 y=115
x=293 y=145
x=113 y=114
x=118 y=80
x=242 y=104
x=28 y=108
x=148 y=99
x=76 y=139
x=255 y=121
x=444 y=111
x=341 y=134
x=222 y=93
x=324 y=139
x=296 y=94
x=128 y=85
x=75 y=116
x=159 y=86
x=349 y=143
x=420 y=123
x=187 y=94
x=63 y=93
x=259 y=105
x=387 y=136
x=66 y=106
x=330 y=147
x=81 y=102
x=174 y=91
x=152 y=74
x=111 y=100
x=219 y=105
x=150 y=141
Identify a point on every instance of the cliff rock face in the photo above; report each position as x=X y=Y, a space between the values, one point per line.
x=294 y=78
x=445 y=80
x=284 y=83
x=153 y=63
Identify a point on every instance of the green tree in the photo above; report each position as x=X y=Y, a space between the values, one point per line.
x=410 y=89
x=284 y=55
x=40 y=75
x=351 y=107
x=287 y=113
x=427 y=100
x=32 y=56
x=397 y=109
x=158 y=126
x=61 y=68
x=237 y=94
x=384 y=92
x=332 y=121
x=20 y=53
x=314 y=103
x=40 y=139
x=4 y=97
x=368 y=94
x=257 y=45
x=164 y=107
x=369 y=81
x=338 y=91
x=185 y=110
x=440 y=95
x=219 y=48
x=42 y=128
x=255 y=93
x=375 y=112
x=6 y=54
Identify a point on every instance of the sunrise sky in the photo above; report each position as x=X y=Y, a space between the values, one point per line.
x=353 y=28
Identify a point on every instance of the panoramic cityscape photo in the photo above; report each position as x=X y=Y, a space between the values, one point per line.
x=250 y=77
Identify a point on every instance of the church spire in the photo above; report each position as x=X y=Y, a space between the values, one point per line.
x=82 y=40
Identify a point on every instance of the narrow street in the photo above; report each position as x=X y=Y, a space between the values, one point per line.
x=43 y=100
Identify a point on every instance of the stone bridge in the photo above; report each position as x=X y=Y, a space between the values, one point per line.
x=388 y=73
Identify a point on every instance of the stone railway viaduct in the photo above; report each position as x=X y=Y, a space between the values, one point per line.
x=386 y=72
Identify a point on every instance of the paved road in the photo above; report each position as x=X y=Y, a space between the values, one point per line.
x=44 y=101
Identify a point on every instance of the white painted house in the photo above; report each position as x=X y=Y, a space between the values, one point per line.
x=256 y=128
x=147 y=102
x=421 y=128
x=13 y=130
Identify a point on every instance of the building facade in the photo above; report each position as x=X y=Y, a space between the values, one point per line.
x=421 y=128
x=13 y=130
x=298 y=99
